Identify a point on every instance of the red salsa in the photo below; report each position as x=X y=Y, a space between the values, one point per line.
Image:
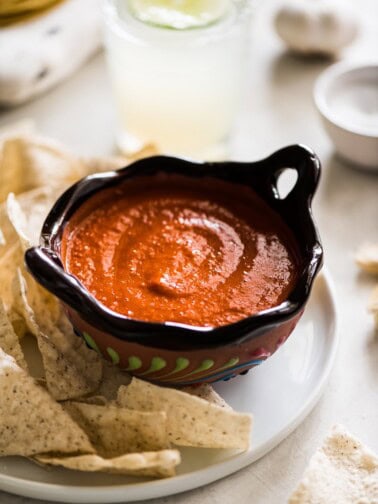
x=170 y=248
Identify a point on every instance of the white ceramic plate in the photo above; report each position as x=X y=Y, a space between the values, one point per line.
x=279 y=393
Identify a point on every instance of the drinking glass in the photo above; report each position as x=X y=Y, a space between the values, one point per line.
x=179 y=89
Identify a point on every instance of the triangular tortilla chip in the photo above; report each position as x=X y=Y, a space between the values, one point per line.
x=9 y=341
x=22 y=216
x=160 y=464
x=27 y=224
x=191 y=421
x=31 y=422
x=115 y=431
x=71 y=369
x=112 y=378
x=68 y=373
x=40 y=309
x=343 y=471
x=206 y=391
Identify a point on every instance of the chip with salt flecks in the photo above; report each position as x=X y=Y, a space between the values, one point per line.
x=9 y=341
x=112 y=378
x=343 y=470
x=206 y=391
x=114 y=431
x=31 y=422
x=40 y=309
x=191 y=421
x=158 y=464
x=71 y=368
x=69 y=373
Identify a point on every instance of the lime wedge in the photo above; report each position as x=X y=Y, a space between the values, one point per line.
x=179 y=14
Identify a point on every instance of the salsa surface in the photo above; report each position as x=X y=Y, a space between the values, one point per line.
x=170 y=248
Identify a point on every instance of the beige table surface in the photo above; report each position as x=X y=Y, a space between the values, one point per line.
x=278 y=111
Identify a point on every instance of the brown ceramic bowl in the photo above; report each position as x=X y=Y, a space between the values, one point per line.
x=179 y=354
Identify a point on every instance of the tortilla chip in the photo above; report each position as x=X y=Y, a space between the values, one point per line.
x=18 y=324
x=160 y=464
x=40 y=309
x=191 y=421
x=18 y=220
x=68 y=373
x=9 y=341
x=102 y=164
x=97 y=400
x=343 y=470
x=30 y=161
x=71 y=368
x=112 y=378
x=28 y=224
x=7 y=232
x=367 y=257
x=20 y=225
x=114 y=431
x=19 y=230
x=12 y=163
x=9 y=263
x=31 y=422
x=206 y=391
x=49 y=164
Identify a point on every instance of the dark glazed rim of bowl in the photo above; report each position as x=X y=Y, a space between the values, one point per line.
x=45 y=264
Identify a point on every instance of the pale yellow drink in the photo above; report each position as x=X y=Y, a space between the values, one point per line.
x=178 y=88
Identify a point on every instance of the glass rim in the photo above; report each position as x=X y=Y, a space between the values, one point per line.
x=140 y=33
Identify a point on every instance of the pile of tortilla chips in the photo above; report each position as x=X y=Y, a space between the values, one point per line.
x=78 y=411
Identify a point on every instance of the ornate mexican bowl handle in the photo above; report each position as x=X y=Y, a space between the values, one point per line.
x=46 y=269
x=295 y=207
x=307 y=166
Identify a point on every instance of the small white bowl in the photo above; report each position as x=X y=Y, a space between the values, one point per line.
x=346 y=95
